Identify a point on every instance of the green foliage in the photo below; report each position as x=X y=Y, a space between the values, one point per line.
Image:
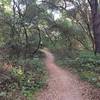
x=87 y=64
x=22 y=31
x=29 y=76
x=88 y=75
x=89 y=67
x=6 y=1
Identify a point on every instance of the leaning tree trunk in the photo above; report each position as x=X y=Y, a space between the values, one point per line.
x=95 y=12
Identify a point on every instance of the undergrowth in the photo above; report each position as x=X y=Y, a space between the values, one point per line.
x=24 y=79
x=86 y=63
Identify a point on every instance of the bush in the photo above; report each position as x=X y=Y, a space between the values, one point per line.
x=29 y=76
x=87 y=64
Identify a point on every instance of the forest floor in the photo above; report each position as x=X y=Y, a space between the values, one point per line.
x=65 y=85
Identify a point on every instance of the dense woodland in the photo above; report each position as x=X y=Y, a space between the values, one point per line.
x=69 y=28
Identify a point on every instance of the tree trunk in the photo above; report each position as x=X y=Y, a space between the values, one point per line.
x=95 y=23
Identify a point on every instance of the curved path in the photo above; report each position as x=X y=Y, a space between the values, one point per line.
x=62 y=85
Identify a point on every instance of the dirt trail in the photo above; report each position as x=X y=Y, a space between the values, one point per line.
x=62 y=85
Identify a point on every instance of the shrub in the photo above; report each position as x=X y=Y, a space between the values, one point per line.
x=29 y=76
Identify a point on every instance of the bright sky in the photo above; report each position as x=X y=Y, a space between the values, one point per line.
x=56 y=13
